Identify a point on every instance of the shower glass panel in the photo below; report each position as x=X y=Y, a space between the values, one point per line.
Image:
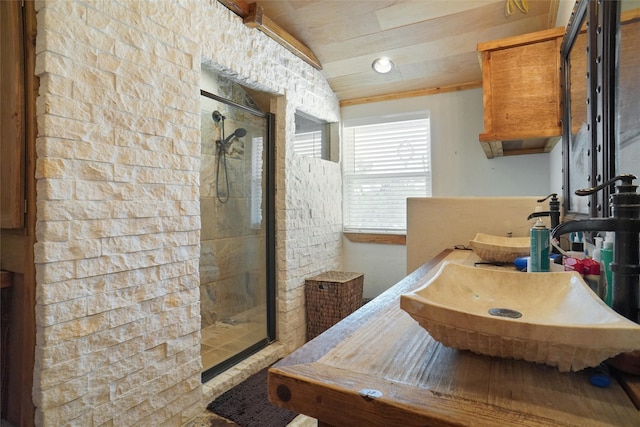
x=236 y=288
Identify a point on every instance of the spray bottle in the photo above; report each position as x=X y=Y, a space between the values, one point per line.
x=606 y=255
x=540 y=244
x=597 y=257
x=598 y=249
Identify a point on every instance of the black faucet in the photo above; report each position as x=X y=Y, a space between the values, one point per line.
x=553 y=213
x=625 y=223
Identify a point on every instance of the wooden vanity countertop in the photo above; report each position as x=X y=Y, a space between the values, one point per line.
x=378 y=367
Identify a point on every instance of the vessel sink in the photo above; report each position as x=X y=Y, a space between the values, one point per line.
x=550 y=318
x=498 y=248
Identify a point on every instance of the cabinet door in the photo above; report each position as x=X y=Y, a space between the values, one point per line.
x=522 y=97
x=12 y=116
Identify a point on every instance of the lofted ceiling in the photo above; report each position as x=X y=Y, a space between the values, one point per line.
x=431 y=42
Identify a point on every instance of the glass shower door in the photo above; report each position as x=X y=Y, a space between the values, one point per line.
x=236 y=283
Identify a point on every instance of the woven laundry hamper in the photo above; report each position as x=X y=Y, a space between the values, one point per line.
x=330 y=297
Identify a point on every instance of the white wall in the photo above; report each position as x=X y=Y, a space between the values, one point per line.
x=459 y=166
x=383 y=265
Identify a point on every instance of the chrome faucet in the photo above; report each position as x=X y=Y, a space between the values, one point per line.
x=625 y=223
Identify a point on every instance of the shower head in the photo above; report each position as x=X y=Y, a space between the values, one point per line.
x=217 y=116
x=240 y=132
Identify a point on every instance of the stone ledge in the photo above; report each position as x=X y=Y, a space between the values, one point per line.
x=240 y=372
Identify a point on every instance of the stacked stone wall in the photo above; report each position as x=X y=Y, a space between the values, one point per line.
x=118 y=215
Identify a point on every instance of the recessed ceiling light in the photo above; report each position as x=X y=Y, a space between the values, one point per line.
x=382 y=65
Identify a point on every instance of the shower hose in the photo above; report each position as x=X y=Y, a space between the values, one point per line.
x=221 y=167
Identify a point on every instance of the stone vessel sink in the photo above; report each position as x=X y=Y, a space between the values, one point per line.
x=500 y=249
x=550 y=318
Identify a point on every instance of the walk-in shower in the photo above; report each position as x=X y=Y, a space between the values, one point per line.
x=237 y=301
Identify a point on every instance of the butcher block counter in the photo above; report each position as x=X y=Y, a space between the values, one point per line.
x=378 y=367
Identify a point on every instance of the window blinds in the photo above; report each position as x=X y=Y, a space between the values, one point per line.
x=384 y=163
x=308 y=144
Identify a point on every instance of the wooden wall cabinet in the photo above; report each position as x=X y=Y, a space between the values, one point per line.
x=19 y=88
x=521 y=93
x=12 y=113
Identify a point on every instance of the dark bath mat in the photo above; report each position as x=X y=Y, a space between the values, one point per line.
x=247 y=404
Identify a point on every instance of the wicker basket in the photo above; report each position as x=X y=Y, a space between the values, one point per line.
x=330 y=297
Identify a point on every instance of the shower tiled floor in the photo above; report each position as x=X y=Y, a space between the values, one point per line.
x=229 y=336
x=224 y=339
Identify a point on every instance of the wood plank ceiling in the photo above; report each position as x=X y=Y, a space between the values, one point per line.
x=432 y=43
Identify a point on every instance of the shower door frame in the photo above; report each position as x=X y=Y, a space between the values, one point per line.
x=270 y=230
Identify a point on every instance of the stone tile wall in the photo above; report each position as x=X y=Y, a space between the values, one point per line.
x=118 y=221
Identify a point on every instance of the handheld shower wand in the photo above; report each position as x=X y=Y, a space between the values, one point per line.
x=239 y=133
x=222 y=176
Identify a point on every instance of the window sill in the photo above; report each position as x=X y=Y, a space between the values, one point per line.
x=381 y=238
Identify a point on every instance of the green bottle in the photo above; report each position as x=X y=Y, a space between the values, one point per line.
x=606 y=255
x=539 y=250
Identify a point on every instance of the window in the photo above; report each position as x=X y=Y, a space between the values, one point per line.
x=384 y=163
x=313 y=137
x=309 y=144
x=257 y=171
